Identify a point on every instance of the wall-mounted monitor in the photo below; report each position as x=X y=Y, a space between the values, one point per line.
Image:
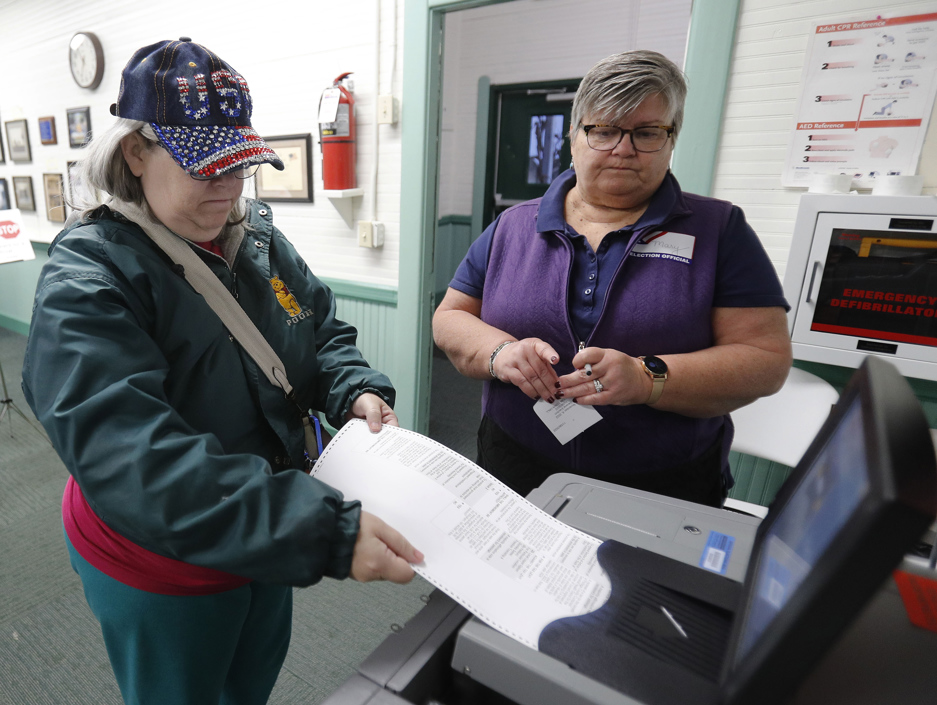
x=862 y=280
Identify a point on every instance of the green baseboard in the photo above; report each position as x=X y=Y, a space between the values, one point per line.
x=15 y=325
x=376 y=293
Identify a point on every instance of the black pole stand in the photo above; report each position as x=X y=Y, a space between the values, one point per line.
x=6 y=405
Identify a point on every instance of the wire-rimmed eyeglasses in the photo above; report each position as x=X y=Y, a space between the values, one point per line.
x=650 y=138
x=245 y=173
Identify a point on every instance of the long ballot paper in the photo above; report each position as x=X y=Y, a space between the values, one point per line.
x=511 y=564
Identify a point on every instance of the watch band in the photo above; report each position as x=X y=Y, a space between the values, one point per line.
x=657 y=378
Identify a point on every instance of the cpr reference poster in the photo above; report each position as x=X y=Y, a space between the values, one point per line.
x=868 y=90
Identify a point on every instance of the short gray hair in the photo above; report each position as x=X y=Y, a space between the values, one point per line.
x=104 y=172
x=618 y=84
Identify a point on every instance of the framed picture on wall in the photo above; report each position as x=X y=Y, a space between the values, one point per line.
x=18 y=141
x=79 y=126
x=2 y=158
x=23 y=191
x=294 y=183
x=47 y=130
x=4 y=196
x=53 y=185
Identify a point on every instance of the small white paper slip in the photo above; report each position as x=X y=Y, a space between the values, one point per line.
x=565 y=418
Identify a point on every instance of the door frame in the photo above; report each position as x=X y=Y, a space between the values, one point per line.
x=708 y=59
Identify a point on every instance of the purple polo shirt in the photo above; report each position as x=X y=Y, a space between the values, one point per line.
x=745 y=276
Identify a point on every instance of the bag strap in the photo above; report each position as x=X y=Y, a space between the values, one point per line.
x=215 y=293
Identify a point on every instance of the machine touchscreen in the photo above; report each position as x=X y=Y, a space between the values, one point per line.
x=863 y=493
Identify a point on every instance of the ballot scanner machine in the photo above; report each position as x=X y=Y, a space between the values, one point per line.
x=865 y=489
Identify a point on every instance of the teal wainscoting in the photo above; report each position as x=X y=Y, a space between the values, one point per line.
x=372 y=309
x=757 y=480
x=18 y=288
x=454 y=234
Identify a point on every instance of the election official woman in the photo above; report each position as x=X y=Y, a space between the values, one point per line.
x=620 y=292
x=188 y=514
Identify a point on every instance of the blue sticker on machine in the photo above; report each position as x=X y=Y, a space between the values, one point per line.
x=717 y=552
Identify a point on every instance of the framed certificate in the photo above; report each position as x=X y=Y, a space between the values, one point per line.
x=294 y=183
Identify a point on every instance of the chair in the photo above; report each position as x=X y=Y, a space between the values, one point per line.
x=781 y=427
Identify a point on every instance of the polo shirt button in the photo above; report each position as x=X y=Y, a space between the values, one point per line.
x=592 y=276
x=588 y=291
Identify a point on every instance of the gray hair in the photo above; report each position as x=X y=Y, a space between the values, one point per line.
x=104 y=173
x=618 y=84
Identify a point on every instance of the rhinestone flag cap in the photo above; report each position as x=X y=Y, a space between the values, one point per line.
x=197 y=104
x=213 y=151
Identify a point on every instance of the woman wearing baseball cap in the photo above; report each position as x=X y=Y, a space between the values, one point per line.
x=188 y=514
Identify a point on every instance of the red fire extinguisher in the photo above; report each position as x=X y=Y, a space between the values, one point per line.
x=337 y=134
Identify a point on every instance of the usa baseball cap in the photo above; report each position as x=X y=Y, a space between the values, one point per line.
x=198 y=106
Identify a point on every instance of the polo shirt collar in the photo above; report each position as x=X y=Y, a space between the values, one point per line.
x=666 y=202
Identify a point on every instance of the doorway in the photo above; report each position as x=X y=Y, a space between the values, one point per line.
x=513 y=42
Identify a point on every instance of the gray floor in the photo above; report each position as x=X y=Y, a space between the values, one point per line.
x=50 y=646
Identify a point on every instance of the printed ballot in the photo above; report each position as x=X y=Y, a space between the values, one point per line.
x=513 y=565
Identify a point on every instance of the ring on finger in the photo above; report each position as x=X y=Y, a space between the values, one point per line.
x=599 y=387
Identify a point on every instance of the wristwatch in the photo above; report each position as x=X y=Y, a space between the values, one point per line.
x=657 y=370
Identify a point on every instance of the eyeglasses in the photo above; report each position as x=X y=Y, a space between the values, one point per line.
x=245 y=173
x=605 y=138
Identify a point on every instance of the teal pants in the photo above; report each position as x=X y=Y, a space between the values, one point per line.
x=225 y=648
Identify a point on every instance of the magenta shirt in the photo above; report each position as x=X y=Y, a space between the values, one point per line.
x=133 y=565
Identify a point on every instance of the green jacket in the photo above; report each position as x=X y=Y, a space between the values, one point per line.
x=177 y=440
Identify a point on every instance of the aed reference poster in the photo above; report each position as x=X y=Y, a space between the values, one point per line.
x=867 y=93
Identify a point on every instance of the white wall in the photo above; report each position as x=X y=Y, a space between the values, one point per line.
x=288 y=51
x=762 y=94
x=535 y=40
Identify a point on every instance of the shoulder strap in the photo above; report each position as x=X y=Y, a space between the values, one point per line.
x=204 y=281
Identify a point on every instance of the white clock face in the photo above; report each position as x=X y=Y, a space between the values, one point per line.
x=83 y=58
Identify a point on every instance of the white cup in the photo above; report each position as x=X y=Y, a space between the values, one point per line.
x=898 y=185
x=830 y=183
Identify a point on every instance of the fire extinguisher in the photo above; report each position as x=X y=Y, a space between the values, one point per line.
x=337 y=134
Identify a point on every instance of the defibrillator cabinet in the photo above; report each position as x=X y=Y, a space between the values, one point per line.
x=862 y=280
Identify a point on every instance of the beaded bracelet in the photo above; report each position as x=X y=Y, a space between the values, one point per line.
x=494 y=354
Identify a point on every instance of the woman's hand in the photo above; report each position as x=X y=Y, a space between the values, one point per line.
x=621 y=378
x=528 y=365
x=382 y=553
x=374 y=410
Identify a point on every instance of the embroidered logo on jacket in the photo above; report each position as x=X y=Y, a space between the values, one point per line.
x=666 y=245
x=289 y=303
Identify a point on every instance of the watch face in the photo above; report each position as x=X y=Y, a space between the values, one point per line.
x=655 y=365
x=85 y=60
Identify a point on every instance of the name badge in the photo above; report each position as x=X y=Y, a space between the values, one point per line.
x=666 y=245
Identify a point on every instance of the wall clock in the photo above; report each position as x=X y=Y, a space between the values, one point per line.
x=86 y=59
